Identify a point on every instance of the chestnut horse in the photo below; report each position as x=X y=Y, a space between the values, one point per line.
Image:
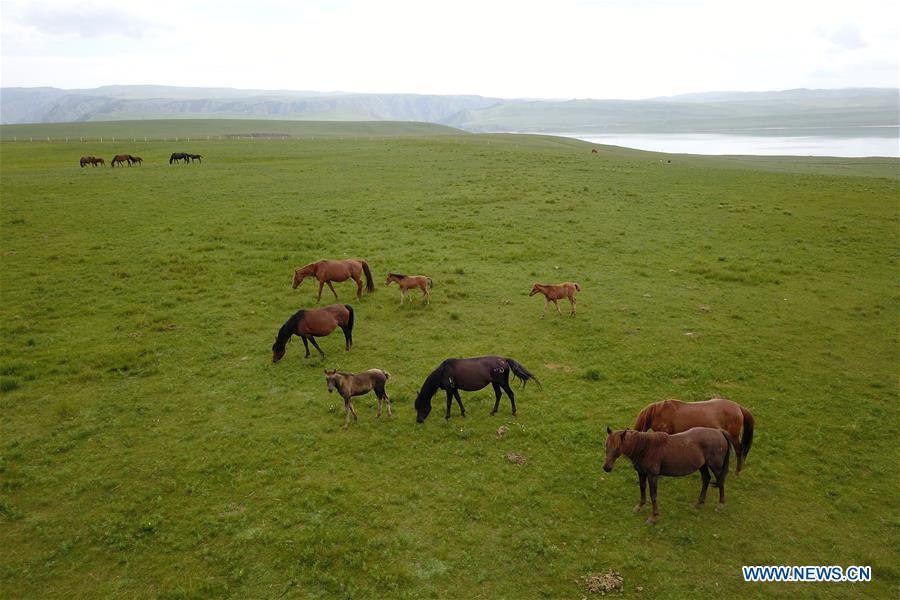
x=470 y=374
x=90 y=160
x=654 y=454
x=675 y=416
x=312 y=323
x=555 y=292
x=408 y=282
x=327 y=271
x=358 y=384
x=120 y=159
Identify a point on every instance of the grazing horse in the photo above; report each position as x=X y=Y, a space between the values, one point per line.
x=87 y=160
x=555 y=292
x=120 y=159
x=358 y=384
x=97 y=161
x=654 y=454
x=594 y=151
x=407 y=282
x=327 y=271
x=193 y=157
x=675 y=416
x=470 y=374
x=135 y=159
x=312 y=323
x=177 y=156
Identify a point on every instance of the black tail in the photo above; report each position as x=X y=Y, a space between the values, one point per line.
x=747 y=437
x=370 y=285
x=522 y=373
x=348 y=329
x=728 y=444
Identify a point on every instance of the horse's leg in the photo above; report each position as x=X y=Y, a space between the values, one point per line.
x=388 y=401
x=449 y=401
x=462 y=409
x=704 y=475
x=497 y=394
x=512 y=397
x=424 y=295
x=720 y=483
x=651 y=520
x=346 y=413
x=321 y=285
x=737 y=453
x=331 y=287
x=316 y=346
x=546 y=303
x=572 y=300
x=348 y=341
x=305 y=345
x=642 y=481
x=353 y=410
x=559 y=312
x=358 y=281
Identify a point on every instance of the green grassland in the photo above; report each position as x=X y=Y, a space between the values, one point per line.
x=151 y=449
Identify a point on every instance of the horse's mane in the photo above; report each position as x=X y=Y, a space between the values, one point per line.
x=639 y=444
x=288 y=329
x=430 y=386
x=645 y=418
x=397 y=275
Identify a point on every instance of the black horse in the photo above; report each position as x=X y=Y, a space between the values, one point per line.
x=193 y=157
x=177 y=156
x=470 y=374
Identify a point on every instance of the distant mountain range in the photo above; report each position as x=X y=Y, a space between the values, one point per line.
x=732 y=112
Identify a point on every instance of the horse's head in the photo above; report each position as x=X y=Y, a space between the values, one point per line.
x=614 y=440
x=423 y=407
x=278 y=351
x=534 y=290
x=331 y=378
x=298 y=277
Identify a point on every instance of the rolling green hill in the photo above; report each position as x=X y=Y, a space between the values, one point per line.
x=150 y=448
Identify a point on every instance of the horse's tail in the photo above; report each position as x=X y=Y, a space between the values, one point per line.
x=747 y=437
x=370 y=285
x=349 y=321
x=644 y=419
x=728 y=444
x=430 y=283
x=522 y=373
x=577 y=287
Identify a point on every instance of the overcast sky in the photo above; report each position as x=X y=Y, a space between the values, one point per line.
x=544 y=49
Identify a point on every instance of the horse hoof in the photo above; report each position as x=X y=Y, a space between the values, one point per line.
x=719 y=507
x=650 y=521
x=698 y=504
x=638 y=508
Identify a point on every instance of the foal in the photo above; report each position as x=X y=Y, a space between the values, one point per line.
x=654 y=454
x=555 y=292
x=407 y=282
x=358 y=384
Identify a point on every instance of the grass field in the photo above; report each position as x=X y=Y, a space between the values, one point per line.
x=151 y=449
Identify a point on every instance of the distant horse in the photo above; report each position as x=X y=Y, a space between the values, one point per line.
x=135 y=159
x=177 y=156
x=408 y=282
x=193 y=157
x=312 y=323
x=87 y=160
x=594 y=151
x=358 y=384
x=327 y=271
x=675 y=416
x=97 y=161
x=470 y=374
x=654 y=454
x=120 y=159
x=555 y=292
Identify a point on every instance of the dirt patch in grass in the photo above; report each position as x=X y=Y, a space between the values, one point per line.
x=603 y=583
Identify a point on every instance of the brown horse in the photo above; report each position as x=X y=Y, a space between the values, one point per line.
x=135 y=159
x=87 y=160
x=594 y=151
x=555 y=292
x=312 y=323
x=327 y=271
x=675 y=416
x=120 y=159
x=654 y=454
x=408 y=282
x=358 y=384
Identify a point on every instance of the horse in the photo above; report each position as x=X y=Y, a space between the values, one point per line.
x=177 y=156
x=87 y=160
x=555 y=292
x=135 y=159
x=653 y=454
x=470 y=375
x=193 y=157
x=675 y=416
x=594 y=151
x=358 y=384
x=120 y=159
x=407 y=282
x=312 y=323
x=327 y=271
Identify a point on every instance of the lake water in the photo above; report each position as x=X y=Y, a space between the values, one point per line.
x=761 y=145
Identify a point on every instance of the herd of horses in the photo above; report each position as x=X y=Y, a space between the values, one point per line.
x=686 y=437
x=130 y=159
